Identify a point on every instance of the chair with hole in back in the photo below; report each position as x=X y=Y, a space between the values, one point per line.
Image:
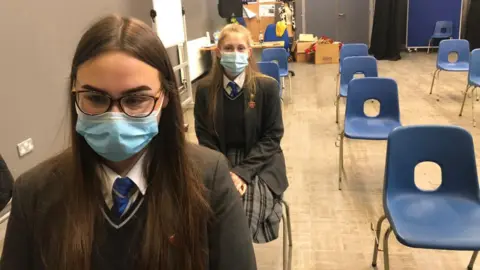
x=459 y=46
x=443 y=30
x=473 y=80
x=367 y=65
x=352 y=49
x=279 y=56
x=447 y=218
x=361 y=127
x=271 y=69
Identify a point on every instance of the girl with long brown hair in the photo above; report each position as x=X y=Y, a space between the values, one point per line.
x=130 y=192
x=238 y=113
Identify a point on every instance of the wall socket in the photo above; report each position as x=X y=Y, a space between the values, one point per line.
x=25 y=147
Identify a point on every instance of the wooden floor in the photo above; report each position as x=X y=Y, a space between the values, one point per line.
x=331 y=228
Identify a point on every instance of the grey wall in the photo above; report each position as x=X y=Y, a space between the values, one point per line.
x=38 y=39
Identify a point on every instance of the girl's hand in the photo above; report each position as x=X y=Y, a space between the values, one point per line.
x=239 y=183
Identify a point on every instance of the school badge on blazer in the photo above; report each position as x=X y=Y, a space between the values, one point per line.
x=251 y=103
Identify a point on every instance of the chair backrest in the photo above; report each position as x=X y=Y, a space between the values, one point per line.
x=384 y=90
x=270 y=69
x=443 y=28
x=271 y=35
x=448 y=146
x=353 y=49
x=278 y=55
x=459 y=46
x=474 y=68
x=367 y=65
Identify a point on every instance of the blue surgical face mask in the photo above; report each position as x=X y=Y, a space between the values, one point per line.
x=116 y=136
x=234 y=62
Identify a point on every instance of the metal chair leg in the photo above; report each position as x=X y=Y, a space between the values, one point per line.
x=385 y=249
x=429 y=45
x=464 y=99
x=287 y=233
x=337 y=103
x=472 y=260
x=340 y=161
x=283 y=85
x=289 y=225
x=337 y=85
x=474 y=90
x=377 y=240
x=433 y=79
x=290 y=87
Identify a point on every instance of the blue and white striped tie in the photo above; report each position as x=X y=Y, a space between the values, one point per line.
x=120 y=194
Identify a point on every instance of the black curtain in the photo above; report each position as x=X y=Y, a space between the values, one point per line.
x=473 y=24
x=389 y=23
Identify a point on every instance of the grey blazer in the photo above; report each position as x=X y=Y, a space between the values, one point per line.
x=263 y=133
x=228 y=242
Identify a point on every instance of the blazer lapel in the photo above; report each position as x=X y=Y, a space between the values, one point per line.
x=219 y=121
x=251 y=108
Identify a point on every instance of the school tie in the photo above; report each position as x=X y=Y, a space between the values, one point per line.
x=234 y=88
x=120 y=194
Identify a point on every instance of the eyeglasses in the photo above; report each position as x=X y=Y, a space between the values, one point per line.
x=96 y=103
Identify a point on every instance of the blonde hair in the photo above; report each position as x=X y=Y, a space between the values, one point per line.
x=215 y=76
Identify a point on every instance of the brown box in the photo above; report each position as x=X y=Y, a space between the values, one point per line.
x=327 y=54
x=299 y=49
x=302 y=57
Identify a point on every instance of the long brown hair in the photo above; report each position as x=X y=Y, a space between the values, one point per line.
x=215 y=76
x=175 y=197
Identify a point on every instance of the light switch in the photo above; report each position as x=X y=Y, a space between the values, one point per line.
x=25 y=147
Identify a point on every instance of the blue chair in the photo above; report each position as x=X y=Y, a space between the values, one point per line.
x=271 y=69
x=473 y=80
x=279 y=56
x=367 y=65
x=271 y=35
x=443 y=30
x=447 y=218
x=459 y=46
x=361 y=127
x=353 y=49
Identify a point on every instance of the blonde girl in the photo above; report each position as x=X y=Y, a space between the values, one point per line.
x=238 y=113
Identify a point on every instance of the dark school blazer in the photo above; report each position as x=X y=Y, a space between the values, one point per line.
x=228 y=241
x=263 y=133
x=6 y=184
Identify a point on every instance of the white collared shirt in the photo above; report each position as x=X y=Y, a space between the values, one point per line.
x=135 y=174
x=240 y=80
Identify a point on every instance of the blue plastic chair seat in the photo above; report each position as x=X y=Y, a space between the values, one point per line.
x=283 y=72
x=458 y=66
x=369 y=128
x=435 y=221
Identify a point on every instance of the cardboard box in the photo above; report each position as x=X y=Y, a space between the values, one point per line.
x=299 y=49
x=327 y=54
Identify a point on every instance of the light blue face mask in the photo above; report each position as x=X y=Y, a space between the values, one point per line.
x=116 y=136
x=234 y=62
